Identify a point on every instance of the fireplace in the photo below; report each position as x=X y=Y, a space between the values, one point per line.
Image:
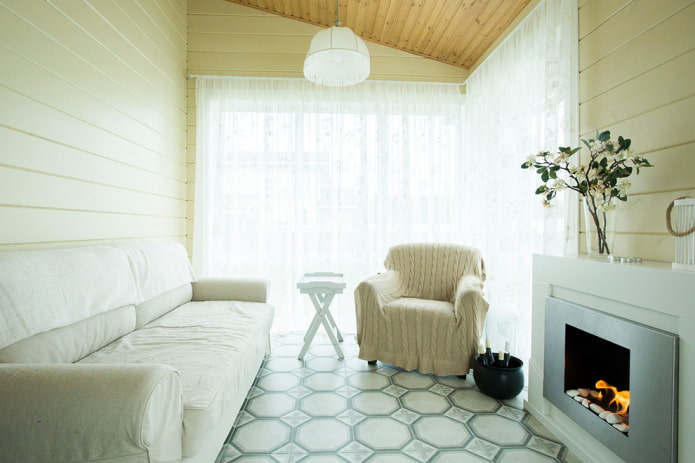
x=615 y=378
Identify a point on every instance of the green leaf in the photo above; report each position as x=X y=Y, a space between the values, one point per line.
x=541 y=189
x=525 y=165
x=552 y=173
x=604 y=136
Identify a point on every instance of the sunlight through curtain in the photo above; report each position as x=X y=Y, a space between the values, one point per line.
x=293 y=178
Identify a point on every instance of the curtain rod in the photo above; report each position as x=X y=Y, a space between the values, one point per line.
x=191 y=76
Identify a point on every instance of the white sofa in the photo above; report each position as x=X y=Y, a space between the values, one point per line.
x=118 y=354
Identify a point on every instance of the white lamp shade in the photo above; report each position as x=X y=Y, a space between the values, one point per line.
x=336 y=58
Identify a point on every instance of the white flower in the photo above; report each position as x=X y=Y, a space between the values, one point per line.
x=624 y=185
x=559 y=184
x=605 y=206
x=531 y=159
x=630 y=154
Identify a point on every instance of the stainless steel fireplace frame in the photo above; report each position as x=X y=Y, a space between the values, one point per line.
x=653 y=434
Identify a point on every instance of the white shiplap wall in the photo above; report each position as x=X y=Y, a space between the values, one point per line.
x=92 y=121
x=637 y=61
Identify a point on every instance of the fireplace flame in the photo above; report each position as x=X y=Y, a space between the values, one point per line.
x=621 y=399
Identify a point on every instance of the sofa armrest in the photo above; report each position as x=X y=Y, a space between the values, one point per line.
x=231 y=289
x=85 y=413
x=470 y=306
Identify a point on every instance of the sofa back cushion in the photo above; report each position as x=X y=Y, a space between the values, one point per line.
x=158 y=267
x=47 y=289
x=154 y=308
x=71 y=343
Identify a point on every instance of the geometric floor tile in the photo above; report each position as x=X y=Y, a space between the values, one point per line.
x=325 y=410
x=383 y=433
x=498 y=430
x=442 y=432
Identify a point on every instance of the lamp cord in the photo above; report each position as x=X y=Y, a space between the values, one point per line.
x=336 y=23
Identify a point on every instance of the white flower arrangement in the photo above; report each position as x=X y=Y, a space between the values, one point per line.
x=600 y=181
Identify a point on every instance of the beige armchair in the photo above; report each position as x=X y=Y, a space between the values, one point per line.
x=426 y=312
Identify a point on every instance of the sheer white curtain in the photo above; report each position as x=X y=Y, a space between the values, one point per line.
x=293 y=178
x=522 y=99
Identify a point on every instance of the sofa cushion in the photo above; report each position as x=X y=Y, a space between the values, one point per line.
x=158 y=267
x=217 y=347
x=48 y=289
x=154 y=308
x=70 y=343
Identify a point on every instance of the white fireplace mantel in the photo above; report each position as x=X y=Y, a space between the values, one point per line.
x=649 y=293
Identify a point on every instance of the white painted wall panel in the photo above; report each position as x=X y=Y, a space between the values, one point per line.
x=636 y=64
x=93 y=127
x=24 y=151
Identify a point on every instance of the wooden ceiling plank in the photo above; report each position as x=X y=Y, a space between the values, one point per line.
x=445 y=23
x=463 y=29
x=326 y=13
x=455 y=32
x=495 y=27
x=383 y=28
x=284 y=6
x=397 y=24
x=428 y=31
x=348 y=13
x=415 y=22
x=313 y=12
x=379 y=20
x=367 y=10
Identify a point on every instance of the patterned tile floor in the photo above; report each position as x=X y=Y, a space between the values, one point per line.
x=327 y=410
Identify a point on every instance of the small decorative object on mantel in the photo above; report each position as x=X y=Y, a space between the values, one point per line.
x=684 y=232
x=599 y=181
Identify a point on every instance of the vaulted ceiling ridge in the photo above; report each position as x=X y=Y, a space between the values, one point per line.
x=455 y=32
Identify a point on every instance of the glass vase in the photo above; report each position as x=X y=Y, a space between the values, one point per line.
x=600 y=229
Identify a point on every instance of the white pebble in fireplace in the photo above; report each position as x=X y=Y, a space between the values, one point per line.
x=655 y=298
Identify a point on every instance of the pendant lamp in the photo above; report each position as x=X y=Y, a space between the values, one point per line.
x=336 y=57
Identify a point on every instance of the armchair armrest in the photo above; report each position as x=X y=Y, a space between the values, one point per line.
x=231 y=289
x=382 y=288
x=470 y=306
x=73 y=412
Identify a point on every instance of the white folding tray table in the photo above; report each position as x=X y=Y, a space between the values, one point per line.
x=321 y=288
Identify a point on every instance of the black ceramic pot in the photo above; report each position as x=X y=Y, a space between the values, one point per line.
x=500 y=383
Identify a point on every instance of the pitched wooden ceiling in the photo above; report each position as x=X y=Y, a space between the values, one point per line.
x=455 y=32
